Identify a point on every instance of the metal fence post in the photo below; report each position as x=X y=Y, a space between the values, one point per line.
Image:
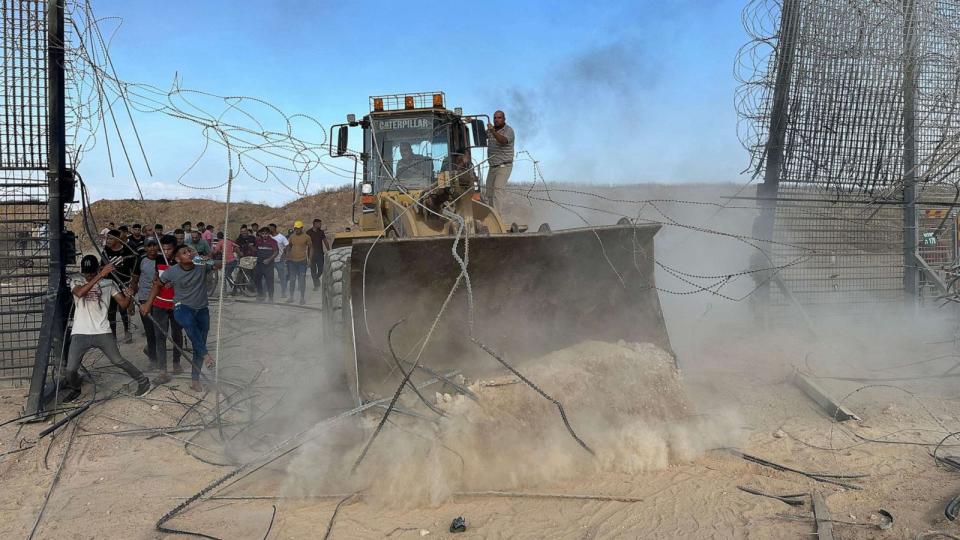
x=54 y=313
x=911 y=270
x=776 y=138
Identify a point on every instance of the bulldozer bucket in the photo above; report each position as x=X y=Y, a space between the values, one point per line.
x=532 y=293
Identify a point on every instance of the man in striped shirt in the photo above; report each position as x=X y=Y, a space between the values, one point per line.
x=500 y=139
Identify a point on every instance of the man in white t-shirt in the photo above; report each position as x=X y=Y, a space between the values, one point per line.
x=91 y=324
x=282 y=243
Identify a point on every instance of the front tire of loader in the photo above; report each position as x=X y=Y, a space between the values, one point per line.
x=337 y=313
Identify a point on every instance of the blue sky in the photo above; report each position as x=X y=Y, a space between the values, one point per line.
x=633 y=91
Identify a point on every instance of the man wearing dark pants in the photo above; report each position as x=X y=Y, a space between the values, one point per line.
x=190 y=306
x=160 y=308
x=267 y=252
x=91 y=327
x=123 y=259
x=143 y=276
x=318 y=247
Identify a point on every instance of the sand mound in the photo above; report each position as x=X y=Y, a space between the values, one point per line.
x=612 y=383
x=624 y=400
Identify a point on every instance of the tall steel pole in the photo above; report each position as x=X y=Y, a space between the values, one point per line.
x=54 y=313
x=776 y=139
x=911 y=269
x=777 y=136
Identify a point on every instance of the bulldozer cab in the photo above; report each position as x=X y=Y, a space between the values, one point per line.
x=409 y=139
x=405 y=150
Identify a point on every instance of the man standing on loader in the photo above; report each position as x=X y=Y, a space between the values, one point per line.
x=499 y=158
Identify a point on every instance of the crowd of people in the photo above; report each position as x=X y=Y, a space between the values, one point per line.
x=163 y=276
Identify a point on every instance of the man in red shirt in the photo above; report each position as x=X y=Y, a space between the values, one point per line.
x=267 y=252
x=161 y=311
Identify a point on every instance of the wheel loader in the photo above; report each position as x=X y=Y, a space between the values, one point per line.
x=428 y=268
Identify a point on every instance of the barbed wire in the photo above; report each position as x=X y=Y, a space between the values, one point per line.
x=260 y=141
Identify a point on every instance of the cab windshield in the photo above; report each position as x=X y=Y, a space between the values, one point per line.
x=405 y=151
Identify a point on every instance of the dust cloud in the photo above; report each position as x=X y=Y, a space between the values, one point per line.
x=626 y=401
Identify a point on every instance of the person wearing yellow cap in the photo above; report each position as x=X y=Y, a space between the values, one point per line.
x=298 y=254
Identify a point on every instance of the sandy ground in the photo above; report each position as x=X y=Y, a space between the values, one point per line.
x=117 y=486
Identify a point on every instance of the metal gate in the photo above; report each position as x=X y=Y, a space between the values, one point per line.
x=24 y=214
